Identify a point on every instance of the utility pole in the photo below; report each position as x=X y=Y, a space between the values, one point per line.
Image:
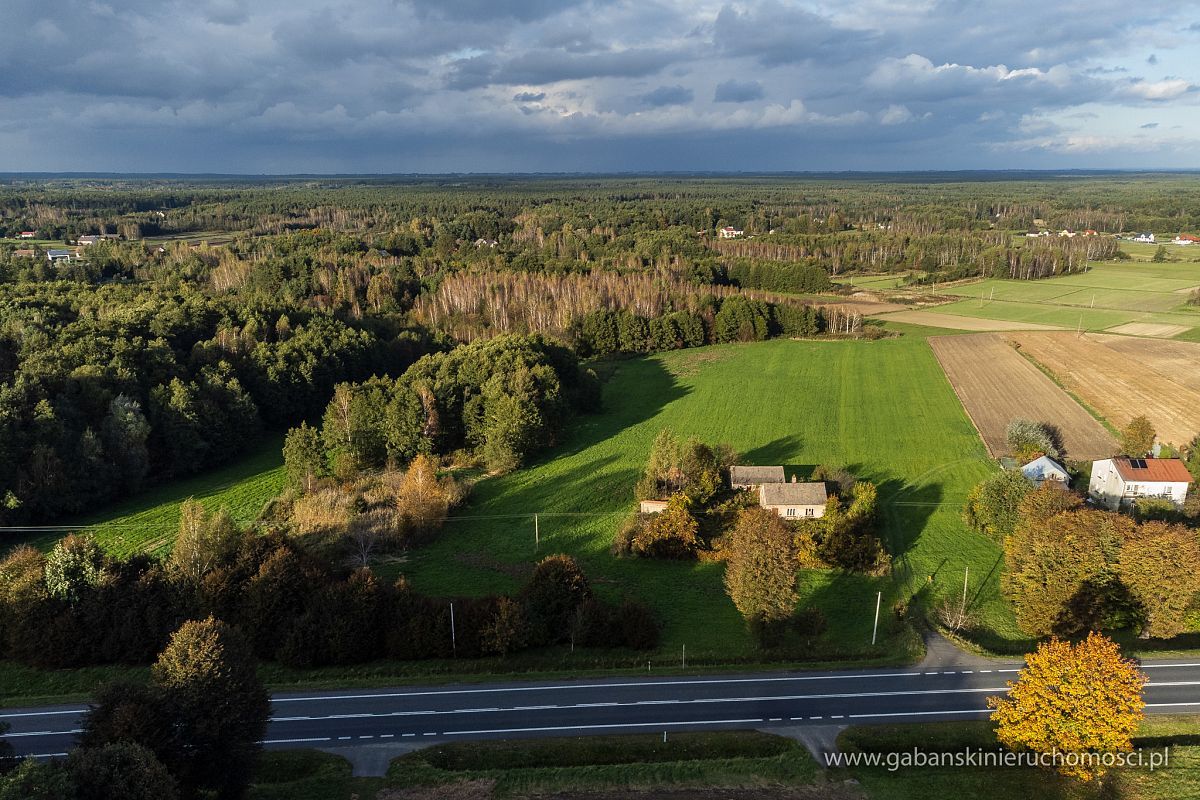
x=966 y=573
x=683 y=662
x=537 y=538
x=875 y=631
x=453 y=637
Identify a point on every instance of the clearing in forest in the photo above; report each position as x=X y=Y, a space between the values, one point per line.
x=1121 y=381
x=996 y=385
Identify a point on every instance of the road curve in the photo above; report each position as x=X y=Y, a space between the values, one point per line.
x=623 y=705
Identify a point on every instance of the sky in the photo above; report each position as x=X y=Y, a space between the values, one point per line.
x=404 y=86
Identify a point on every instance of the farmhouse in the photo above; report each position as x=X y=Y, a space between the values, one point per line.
x=794 y=500
x=729 y=232
x=1118 y=481
x=60 y=255
x=27 y=235
x=24 y=253
x=1145 y=238
x=753 y=477
x=1186 y=239
x=1045 y=469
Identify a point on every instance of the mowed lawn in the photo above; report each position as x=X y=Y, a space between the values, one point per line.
x=148 y=522
x=884 y=409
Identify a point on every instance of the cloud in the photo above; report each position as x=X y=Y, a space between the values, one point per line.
x=735 y=91
x=1159 y=90
x=667 y=96
x=385 y=85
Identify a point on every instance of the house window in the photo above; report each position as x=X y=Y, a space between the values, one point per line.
x=808 y=512
x=1166 y=491
x=791 y=512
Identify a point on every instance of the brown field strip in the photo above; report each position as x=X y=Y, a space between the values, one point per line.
x=1148 y=329
x=1124 y=379
x=1176 y=361
x=935 y=320
x=997 y=385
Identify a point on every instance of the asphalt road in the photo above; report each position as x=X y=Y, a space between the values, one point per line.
x=623 y=705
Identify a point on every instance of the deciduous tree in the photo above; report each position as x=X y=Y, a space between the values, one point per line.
x=1160 y=565
x=1072 y=699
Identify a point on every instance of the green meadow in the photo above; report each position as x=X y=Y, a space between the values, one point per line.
x=1107 y=294
x=147 y=522
x=883 y=409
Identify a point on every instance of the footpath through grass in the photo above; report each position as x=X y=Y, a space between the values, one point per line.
x=883 y=409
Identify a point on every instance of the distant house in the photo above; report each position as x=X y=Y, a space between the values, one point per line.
x=652 y=506
x=27 y=235
x=486 y=242
x=1045 y=469
x=794 y=500
x=753 y=477
x=1067 y=233
x=1144 y=238
x=89 y=239
x=24 y=253
x=60 y=255
x=1185 y=239
x=729 y=232
x=1118 y=481
x=1090 y=232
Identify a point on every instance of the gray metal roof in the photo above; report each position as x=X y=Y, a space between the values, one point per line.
x=756 y=475
x=793 y=494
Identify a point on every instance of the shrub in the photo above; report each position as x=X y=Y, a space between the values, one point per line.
x=1029 y=440
x=555 y=590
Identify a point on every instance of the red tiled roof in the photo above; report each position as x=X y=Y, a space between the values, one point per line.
x=1166 y=470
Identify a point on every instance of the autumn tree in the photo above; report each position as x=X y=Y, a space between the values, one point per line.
x=1028 y=440
x=1059 y=571
x=1160 y=565
x=992 y=505
x=1072 y=698
x=220 y=708
x=74 y=565
x=672 y=533
x=760 y=574
x=205 y=541
x=1137 y=438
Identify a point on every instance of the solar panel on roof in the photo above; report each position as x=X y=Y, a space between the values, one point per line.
x=1137 y=463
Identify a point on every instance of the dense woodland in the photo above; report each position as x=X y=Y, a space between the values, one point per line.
x=222 y=309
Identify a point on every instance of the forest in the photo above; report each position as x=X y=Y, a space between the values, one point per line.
x=217 y=310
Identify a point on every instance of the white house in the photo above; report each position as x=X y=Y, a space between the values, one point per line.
x=729 y=232
x=753 y=477
x=1144 y=238
x=652 y=506
x=1118 y=481
x=1186 y=239
x=1045 y=469
x=794 y=500
x=60 y=255
x=27 y=235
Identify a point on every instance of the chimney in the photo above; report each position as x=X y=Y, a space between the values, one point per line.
x=793 y=479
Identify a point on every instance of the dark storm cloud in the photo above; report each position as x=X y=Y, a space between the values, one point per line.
x=733 y=91
x=381 y=85
x=667 y=96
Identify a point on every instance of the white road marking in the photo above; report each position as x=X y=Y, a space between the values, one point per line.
x=917 y=713
x=603 y=727
x=298 y=741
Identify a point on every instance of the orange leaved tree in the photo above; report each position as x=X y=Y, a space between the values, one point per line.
x=1071 y=700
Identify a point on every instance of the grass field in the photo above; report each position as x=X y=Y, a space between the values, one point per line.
x=884 y=409
x=1107 y=295
x=147 y=522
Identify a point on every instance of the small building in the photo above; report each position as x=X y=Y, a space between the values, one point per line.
x=1144 y=238
x=27 y=235
x=1117 y=482
x=729 y=232
x=1090 y=232
x=1066 y=233
x=1186 y=239
x=60 y=255
x=1045 y=469
x=753 y=477
x=86 y=240
x=652 y=506
x=794 y=500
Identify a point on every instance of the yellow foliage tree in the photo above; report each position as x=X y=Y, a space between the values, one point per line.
x=1072 y=699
